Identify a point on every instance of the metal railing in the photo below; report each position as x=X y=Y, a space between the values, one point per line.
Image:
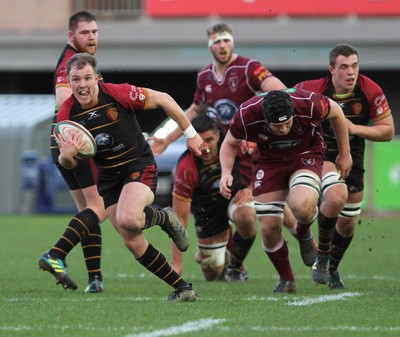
x=111 y=9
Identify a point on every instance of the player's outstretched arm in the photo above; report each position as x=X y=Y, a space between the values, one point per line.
x=164 y=101
x=158 y=145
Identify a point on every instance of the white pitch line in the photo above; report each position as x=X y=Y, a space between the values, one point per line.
x=191 y=326
x=314 y=329
x=322 y=299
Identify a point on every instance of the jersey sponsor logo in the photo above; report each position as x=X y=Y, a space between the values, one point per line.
x=261 y=73
x=378 y=101
x=283 y=145
x=263 y=137
x=112 y=114
x=325 y=107
x=208 y=88
x=113 y=149
x=104 y=139
x=381 y=104
x=215 y=185
x=137 y=93
x=93 y=114
x=357 y=108
x=260 y=174
x=225 y=109
x=257 y=184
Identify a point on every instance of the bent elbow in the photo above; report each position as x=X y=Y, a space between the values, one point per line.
x=390 y=135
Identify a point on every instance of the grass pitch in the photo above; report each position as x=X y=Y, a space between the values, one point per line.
x=134 y=302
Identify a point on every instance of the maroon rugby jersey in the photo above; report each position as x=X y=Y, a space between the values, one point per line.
x=241 y=81
x=310 y=109
x=199 y=184
x=61 y=80
x=113 y=124
x=368 y=102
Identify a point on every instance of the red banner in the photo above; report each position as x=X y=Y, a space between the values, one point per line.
x=270 y=8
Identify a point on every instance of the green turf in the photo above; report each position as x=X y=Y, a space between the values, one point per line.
x=134 y=302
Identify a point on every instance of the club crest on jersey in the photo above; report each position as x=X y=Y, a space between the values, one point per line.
x=112 y=114
x=298 y=127
x=356 y=108
x=134 y=175
x=233 y=83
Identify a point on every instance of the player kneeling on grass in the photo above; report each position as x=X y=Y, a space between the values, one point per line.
x=126 y=165
x=196 y=190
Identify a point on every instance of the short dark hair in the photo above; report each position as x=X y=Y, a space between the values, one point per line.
x=203 y=123
x=341 y=49
x=219 y=28
x=79 y=17
x=80 y=60
x=277 y=107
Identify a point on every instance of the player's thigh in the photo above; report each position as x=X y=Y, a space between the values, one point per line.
x=220 y=237
x=134 y=197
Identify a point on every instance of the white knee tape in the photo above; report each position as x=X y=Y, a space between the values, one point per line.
x=214 y=254
x=330 y=179
x=351 y=210
x=306 y=180
x=274 y=208
x=233 y=207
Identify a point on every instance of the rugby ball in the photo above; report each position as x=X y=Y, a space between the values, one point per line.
x=63 y=128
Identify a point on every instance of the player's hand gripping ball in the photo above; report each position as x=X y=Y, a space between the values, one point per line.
x=88 y=150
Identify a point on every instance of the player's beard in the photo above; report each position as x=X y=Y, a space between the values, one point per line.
x=86 y=48
x=226 y=59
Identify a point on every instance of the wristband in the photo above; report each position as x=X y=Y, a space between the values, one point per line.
x=190 y=132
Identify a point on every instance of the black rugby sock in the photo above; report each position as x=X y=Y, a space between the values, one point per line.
x=241 y=248
x=154 y=261
x=77 y=230
x=326 y=226
x=338 y=248
x=154 y=217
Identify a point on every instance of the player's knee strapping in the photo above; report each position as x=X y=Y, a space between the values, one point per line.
x=350 y=210
x=274 y=208
x=329 y=180
x=233 y=207
x=306 y=180
x=215 y=254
